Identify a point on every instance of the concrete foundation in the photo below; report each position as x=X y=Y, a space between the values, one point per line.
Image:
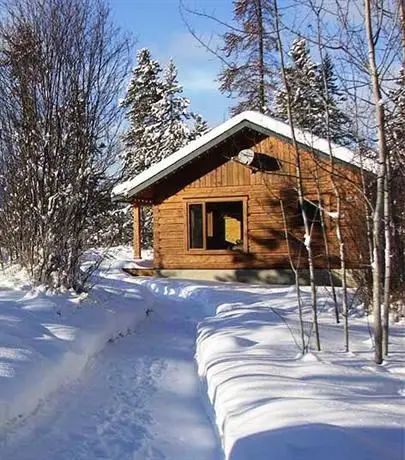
x=262 y=276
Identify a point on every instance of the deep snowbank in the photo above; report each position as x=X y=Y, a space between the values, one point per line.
x=46 y=340
x=269 y=402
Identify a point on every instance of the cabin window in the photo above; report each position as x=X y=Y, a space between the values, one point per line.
x=216 y=225
x=196 y=226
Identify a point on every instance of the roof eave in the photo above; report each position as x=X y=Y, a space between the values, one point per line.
x=303 y=145
x=127 y=196
x=240 y=124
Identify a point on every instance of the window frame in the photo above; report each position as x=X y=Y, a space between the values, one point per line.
x=203 y=202
x=203 y=223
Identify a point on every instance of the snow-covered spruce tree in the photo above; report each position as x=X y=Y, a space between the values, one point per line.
x=333 y=98
x=140 y=152
x=302 y=79
x=175 y=125
x=61 y=65
x=144 y=90
x=200 y=126
x=307 y=80
x=159 y=121
x=170 y=130
x=250 y=46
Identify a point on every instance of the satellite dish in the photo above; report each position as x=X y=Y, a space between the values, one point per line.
x=259 y=161
x=246 y=156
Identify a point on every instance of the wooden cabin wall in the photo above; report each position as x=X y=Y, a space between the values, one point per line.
x=267 y=245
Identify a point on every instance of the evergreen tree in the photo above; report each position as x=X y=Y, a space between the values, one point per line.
x=200 y=126
x=251 y=75
x=302 y=77
x=160 y=122
x=339 y=123
x=157 y=111
x=144 y=90
x=307 y=81
x=170 y=131
x=109 y=224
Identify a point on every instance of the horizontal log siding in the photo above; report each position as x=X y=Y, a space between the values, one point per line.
x=267 y=247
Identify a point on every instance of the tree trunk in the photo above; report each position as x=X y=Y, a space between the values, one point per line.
x=262 y=89
x=300 y=190
x=296 y=278
x=387 y=257
x=345 y=304
x=327 y=253
x=376 y=266
x=339 y=235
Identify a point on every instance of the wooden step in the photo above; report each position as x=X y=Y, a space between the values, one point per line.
x=141 y=271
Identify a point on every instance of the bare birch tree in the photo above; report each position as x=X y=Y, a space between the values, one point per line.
x=381 y=180
x=298 y=177
x=362 y=29
x=317 y=9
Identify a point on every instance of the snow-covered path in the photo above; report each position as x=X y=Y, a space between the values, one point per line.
x=139 y=399
x=139 y=396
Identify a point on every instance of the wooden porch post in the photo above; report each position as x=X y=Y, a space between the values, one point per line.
x=137 y=233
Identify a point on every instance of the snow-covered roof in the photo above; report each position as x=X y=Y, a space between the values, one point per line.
x=253 y=120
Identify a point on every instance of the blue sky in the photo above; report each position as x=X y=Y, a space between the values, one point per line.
x=157 y=25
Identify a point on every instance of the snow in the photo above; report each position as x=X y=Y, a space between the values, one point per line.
x=269 y=400
x=195 y=148
x=139 y=399
x=307 y=240
x=68 y=391
x=135 y=396
x=160 y=121
x=46 y=340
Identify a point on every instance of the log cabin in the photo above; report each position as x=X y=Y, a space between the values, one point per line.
x=226 y=207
